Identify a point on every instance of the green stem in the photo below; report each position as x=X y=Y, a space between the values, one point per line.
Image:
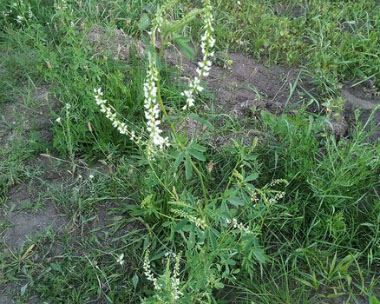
x=165 y=114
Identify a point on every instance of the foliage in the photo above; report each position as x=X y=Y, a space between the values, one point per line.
x=289 y=217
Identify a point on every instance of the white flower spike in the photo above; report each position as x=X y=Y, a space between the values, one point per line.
x=204 y=66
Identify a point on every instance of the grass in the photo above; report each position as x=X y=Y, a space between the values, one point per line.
x=306 y=203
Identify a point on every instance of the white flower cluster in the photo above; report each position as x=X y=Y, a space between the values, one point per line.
x=120 y=259
x=60 y=5
x=111 y=115
x=277 y=197
x=176 y=294
x=278 y=181
x=23 y=13
x=19 y=19
x=152 y=108
x=204 y=66
x=174 y=282
x=197 y=221
x=148 y=272
x=253 y=196
x=237 y=225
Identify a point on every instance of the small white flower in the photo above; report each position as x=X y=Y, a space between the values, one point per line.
x=112 y=116
x=152 y=109
x=238 y=226
x=204 y=65
x=91 y=176
x=19 y=18
x=120 y=259
x=58 y=120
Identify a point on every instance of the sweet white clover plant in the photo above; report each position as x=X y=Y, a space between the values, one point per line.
x=153 y=104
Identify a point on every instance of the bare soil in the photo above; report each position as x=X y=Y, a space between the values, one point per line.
x=366 y=99
x=242 y=85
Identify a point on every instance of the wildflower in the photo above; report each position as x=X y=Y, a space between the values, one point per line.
x=170 y=254
x=176 y=294
x=91 y=176
x=278 y=181
x=111 y=115
x=152 y=108
x=58 y=120
x=204 y=66
x=30 y=13
x=19 y=19
x=60 y=5
x=239 y=226
x=120 y=259
x=277 y=197
x=148 y=272
x=197 y=221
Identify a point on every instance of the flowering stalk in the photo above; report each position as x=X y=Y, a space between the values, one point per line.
x=239 y=226
x=204 y=66
x=197 y=221
x=111 y=115
x=152 y=107
x=169 y=283
x=176 y=294
x=148 y=272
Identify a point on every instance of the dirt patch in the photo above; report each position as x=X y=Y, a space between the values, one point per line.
x=24 y=223
x=31 y=112
x=366 y=99
x=242 y=86
x=248 y=84
x=241 y=83
x=289 y=10
x=345 y=300
x=27 y=212
x=238 y=82
x=112 y=42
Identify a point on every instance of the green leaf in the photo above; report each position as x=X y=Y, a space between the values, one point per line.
x=23 y=289
x=235 y=201
x=198 y=147
x=180 y=225
x=184 y=46
x=268 y=118
x=188 y=168
x=252 y=177
x=304 y=282
x=198 y=155
x=144 y=22
x=335 y=295
x=201 y=120
x=373 y=300
x=259 y=253
x=56 y=267
x=213 y=240
x=135 y=281
x=178 y=161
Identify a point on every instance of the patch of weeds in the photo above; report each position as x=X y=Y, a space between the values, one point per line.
x=336 y=46
x=289 y=217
